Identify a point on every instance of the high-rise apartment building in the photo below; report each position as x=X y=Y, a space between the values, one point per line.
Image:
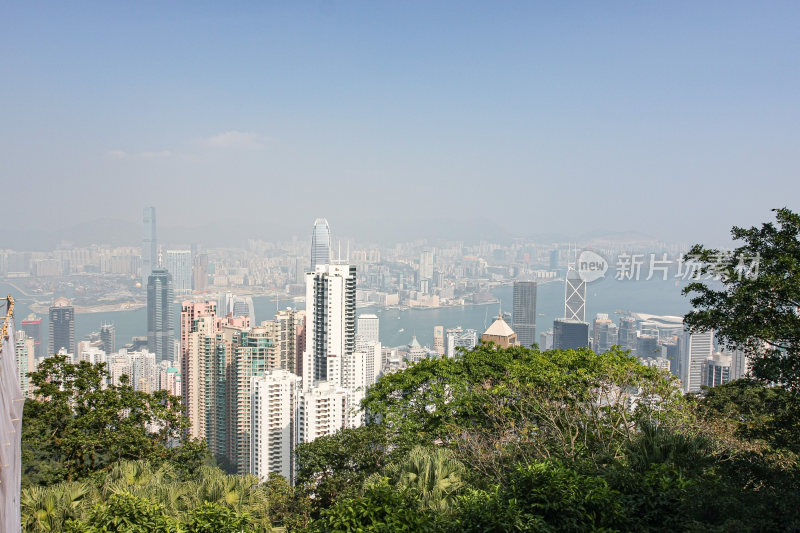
x=275 y=403
x=330 y=318
x=286 y=323
x=179 y=264
x=144 y=371
x=198 y=347
x=160 y=315
x=26 y=360
x=62 y=327
x=570 y=334
x=320 y=244
x=149 y=242
x=368 y=327
x=252 y=353
x=372 y=360
x=323 y=411
x=524 y=316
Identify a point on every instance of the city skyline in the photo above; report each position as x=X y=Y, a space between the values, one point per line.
x=421 y=266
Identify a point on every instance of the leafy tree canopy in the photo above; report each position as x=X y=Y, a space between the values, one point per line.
x=756 y=309
x=78 y=425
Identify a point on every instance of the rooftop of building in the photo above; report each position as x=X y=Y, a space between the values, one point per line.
x=499 y=328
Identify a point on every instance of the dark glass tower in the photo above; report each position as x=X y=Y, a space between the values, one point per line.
x=570 y=334
x=108 y=336
x=62 y=327
x=160 y=315
x=524 y=320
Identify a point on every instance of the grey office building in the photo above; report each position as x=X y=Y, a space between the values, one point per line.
x=524 y=318
x=570 y=334
x=62 y=327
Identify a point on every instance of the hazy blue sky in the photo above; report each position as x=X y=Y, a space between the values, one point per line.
x=676 y=119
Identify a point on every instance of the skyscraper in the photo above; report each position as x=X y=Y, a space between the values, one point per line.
x=320 y=244
x=149 y=243
x=283 y=329
x=26 y=360
x=62 y=327
x=197 y=347
x=524 y=318
x=160 y=315
x=696 y=348
x=179 y=265
x=108 y=337
x=331 y=318
x=570 y=334
x=574 y=296
x=254 y=352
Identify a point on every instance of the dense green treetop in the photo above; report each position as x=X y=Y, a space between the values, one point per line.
x=77 y=425
x=756 y=308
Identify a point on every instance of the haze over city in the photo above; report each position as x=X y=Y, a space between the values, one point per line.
x=398 y=121
x=302 y=267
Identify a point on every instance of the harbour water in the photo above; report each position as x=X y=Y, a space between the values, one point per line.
x=397 y=327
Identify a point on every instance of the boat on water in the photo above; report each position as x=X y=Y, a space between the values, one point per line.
x=401 y=330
